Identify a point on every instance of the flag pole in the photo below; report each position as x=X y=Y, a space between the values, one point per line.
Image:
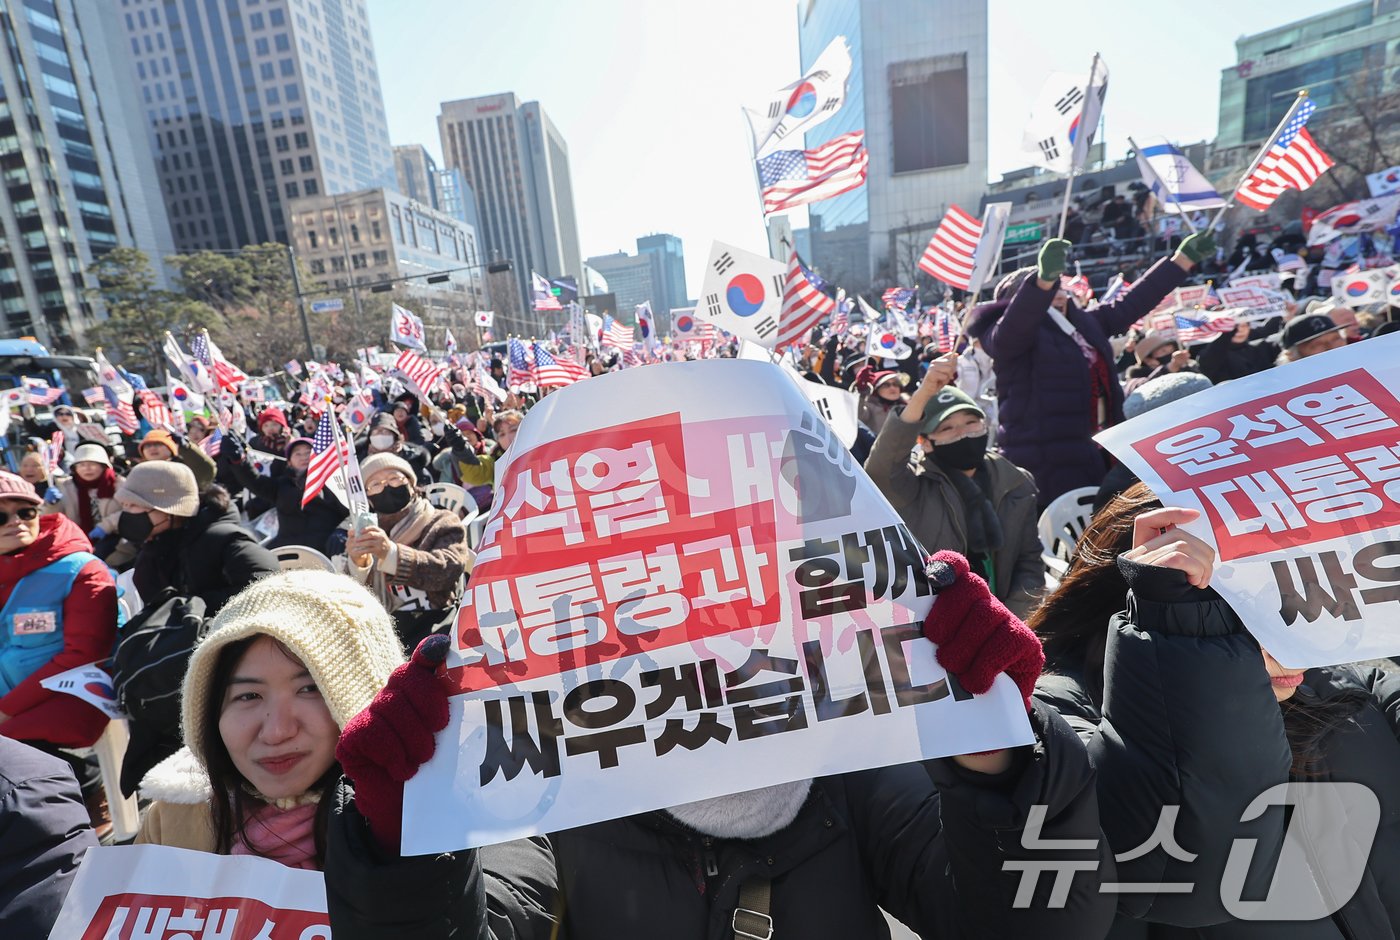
x=1073 y=166
x=342 y=459
x=1259 y=157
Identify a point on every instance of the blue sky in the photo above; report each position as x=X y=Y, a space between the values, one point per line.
x=647 y=92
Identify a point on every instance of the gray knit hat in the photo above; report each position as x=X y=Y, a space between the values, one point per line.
x=387 y=461
x=1163 y=390
x=162 y=484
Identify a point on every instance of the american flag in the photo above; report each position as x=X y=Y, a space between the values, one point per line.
x=1190 y=331
x=94 y=396
x=804 y=305
x=897 y=297
x=422 y=373
x=521 y=373
x=841 y=319
x=616 y=334
x=326 y=457
x=791 y=178
x=213 y=442
x=40 y=393
x=946 y=330
x=225 y=373
x=949 y=255
x=551 y=371
x=121 y=413
x=1293 y=161
x=154 y=410
x=631 y=357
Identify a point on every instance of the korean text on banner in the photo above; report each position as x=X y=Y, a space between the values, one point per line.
x=1296 y=472
x=158 y=891
x=656 y=616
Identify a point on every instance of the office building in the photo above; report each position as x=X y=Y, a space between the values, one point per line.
x=456 y=197
x=77 y=168
x=417 y=174
x=517 y=164
x=253 y=103
x=671 y=292
x=375 y=235
x=918 y=88
x=632 y=280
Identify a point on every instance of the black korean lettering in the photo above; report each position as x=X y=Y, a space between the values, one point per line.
x=758 y=662
x=1309 y=596
x=675 y=734
x=875 y=697
x=508 y=754
x=684 y=683
x=724 y=262
x=821 y=594
x=1367 y=565
x=907 y=561
x=780 y=717
x=905 y=692
x=605 y=744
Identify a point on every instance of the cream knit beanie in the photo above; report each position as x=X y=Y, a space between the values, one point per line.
x=387 y=461
x=329 y=621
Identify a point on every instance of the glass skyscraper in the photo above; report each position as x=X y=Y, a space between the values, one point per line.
x=74 y=174
x=669 y=251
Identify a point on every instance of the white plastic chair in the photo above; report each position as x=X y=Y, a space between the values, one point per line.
x=301 y=558
x=447 y=496
x=111 y=750
x=1061 y=525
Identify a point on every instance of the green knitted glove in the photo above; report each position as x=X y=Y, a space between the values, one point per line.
x=1198 y=247
x=1051 y=263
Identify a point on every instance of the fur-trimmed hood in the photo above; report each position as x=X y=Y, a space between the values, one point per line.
x=179 y=778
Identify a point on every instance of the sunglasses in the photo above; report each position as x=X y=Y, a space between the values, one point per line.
x=27 y=514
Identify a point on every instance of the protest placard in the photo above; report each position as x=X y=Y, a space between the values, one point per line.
x=89 y=683
x=154 y=891
x=1259 y=303
x=1296 y=472
x=686 y=587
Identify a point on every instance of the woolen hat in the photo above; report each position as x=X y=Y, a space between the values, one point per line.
x=1163 y=390
x=166 y=485
x=387 y=461
x=336 y=627
x=95 y=453
x=272 y=414
x=160 y=436
x=13 y=486
x=945 y=404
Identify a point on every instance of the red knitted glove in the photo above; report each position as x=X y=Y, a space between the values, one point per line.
x=865 y=377
x=977 y=637
x=384 y=745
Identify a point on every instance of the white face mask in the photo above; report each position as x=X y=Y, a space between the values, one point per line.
x=382 y=441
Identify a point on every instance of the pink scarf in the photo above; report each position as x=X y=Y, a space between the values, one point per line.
x=283 y=835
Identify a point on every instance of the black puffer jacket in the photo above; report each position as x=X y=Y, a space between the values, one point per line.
x=310 y=525
x=44 y=832
x=1185 y=716
x=928 y=843
x=211 y=556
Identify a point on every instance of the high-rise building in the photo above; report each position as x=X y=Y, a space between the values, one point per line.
x=517 y=164
x=667 y=248
x=252 y=103
x=417 y=174
x=77 y=169
x=456 y=197
x=633 y=280
x=376 y=235
x=918 y=88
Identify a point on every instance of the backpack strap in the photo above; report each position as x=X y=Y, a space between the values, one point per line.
x=752 y=920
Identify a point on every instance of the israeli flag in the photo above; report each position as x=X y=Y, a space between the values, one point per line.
x=1178 y=186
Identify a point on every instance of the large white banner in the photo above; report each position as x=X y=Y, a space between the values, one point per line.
x=686 y=588
x=1296 y=474
x=139 y=892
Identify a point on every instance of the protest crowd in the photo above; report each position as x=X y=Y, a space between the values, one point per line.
x=266 y=578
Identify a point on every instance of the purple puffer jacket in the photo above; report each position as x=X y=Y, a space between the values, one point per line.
x=1043 y=385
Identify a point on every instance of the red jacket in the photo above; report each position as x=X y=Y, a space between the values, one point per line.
x=89 y=632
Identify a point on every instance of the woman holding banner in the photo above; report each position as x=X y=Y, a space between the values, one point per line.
x=939 y=845
x=1054 y=366
x=1189 y=722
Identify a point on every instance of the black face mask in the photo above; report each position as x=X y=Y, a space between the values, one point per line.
x=135 y=527
x=965 y=454
x=391 y=499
